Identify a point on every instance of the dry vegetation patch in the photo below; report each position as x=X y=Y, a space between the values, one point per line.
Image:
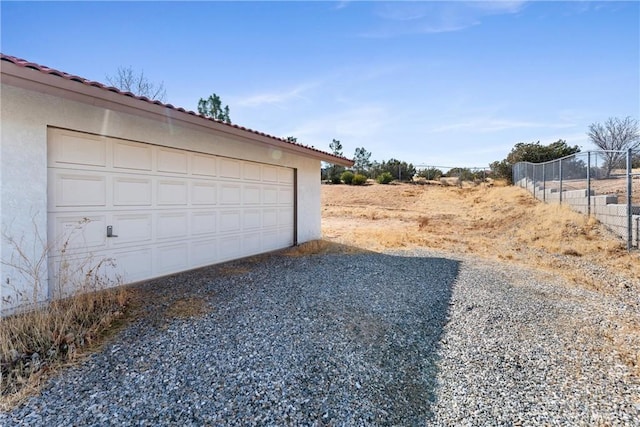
x=35 y=344
x=185 y=308
x=493 y=222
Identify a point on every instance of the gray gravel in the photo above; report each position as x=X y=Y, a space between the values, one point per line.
x=359 y=339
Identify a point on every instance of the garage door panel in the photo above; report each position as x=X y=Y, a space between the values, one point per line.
x=132 y=156
x=270 y=240
x=270 y=195
x=86 y=150
x=203 y=222
x=172 y=192
x=230 y=194
x=285 y=176
x=269 y=218
x=285 y=217
x=172 y=161
x=251 y=194
x=172 y=258
x=285 y=237
x=252 y=219
x=131 y=228
x=203 y=193
x=269 y=173
x=203 y=165
x=77 y=233
x=229 y=221
x=172 y=225
x=251 y=171
x=78 y=189
x=132 y=191
x=229 y=247
x=252 y=243
x=229 y=168
x=204 y=252
x=134 y=265
x=285 y=195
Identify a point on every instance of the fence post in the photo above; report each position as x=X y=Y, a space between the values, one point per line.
x=560 y=173
x=533 y=175
x=588 y=183
x=544 y=184
x=629 y=222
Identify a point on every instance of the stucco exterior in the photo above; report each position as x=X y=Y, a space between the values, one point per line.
x=28 y=109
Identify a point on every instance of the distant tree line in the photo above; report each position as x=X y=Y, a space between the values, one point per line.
x=614 y=137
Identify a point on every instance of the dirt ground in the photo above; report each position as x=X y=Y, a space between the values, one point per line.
x=499 y=223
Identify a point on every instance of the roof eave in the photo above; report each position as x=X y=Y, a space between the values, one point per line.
x=85 y=92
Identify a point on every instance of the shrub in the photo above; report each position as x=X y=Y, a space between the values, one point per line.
x=384 y=178
x=335 y=179
x=347 y=177
x=431 y=174
x=359 y=179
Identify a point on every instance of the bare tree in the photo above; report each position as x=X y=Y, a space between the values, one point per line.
x=615 y=136
x=127 y=80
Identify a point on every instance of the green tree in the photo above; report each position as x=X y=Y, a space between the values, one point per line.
x=375 y=169
x=402 y=171
x=292 y=139
x=128 y=80
x=347 y=177
x=212 y=107
x=430 y=173
x=463 y=174
x=533 y=152
x=362 y=160
x=615 y=136
x=336 y=147
x=335 y=171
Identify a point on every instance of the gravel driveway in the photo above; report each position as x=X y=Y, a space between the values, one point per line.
x=353 y=339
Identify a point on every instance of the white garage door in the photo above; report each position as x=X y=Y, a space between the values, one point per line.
x=166 y=210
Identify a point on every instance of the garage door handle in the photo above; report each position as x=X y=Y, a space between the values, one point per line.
x=110 y=231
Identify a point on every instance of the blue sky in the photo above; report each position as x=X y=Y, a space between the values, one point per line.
x=434 y=83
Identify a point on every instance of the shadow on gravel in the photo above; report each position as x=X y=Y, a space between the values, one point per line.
x=329 y=339
x=345 y=337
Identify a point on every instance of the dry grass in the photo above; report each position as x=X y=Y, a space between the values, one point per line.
x=35 y=344
x=185 y=308
x=39 y=339
x=321 y=247
x=494 y=222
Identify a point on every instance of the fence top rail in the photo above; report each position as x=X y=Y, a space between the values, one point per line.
x=574 y=155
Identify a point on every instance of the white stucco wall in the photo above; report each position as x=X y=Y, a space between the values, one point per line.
x=25 y=116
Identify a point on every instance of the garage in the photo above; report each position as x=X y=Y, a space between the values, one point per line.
x=92 y=176
x=154 y=210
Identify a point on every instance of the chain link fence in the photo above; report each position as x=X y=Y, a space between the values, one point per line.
x=596 y=183
x=450 y=175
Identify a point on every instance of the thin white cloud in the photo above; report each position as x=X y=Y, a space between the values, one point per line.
x=276 y=97
x=402 y=18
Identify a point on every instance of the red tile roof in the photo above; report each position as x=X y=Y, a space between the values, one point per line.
x=46 y=70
